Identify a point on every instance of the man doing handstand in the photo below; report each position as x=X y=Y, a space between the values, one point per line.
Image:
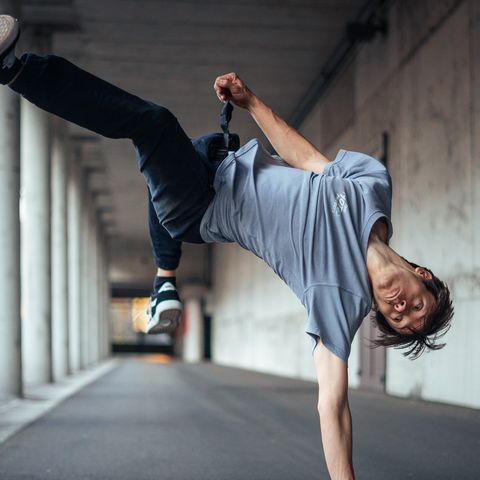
x=323 y=226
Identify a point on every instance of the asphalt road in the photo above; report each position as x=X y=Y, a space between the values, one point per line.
x=150 y=420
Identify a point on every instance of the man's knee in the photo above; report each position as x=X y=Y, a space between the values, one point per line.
x=159 y=117
x=152 y=124
x=184 y=227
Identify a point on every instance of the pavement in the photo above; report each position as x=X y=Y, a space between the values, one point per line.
x=16 y=413
x=150 y=418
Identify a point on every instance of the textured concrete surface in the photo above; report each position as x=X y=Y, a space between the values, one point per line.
x=151 y=420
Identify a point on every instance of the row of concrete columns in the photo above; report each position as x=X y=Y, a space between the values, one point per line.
x=54 y=291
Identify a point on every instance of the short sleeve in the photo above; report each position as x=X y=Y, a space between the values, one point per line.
x=358 y=166
x=334 y=315
x=370 y=176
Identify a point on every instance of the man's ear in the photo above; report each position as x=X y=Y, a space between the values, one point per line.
x=423 y=273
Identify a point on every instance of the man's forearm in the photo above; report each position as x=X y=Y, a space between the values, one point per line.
x=295 y=149
x=336 y=428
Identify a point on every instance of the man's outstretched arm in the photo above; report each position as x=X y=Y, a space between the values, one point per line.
x=295 y=149
x=334 y=412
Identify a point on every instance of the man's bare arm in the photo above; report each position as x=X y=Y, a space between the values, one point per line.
x=334 y=413
x=295 y=149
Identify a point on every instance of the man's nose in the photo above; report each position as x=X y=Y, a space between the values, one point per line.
x=400 y=306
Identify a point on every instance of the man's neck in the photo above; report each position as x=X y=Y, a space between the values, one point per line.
x=380 y=257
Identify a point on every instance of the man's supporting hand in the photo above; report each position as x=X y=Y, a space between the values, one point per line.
x=334 y=412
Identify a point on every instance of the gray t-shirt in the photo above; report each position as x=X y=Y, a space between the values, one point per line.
x=311 y=229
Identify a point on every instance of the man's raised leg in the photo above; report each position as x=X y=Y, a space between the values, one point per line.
x=179 y=182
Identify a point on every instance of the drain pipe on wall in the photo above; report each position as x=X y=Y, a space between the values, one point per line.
x=370 y=22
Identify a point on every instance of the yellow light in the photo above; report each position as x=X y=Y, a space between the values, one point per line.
x=160 y=358
x=139 y=314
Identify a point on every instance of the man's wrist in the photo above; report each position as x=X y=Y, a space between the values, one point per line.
x=253 y=103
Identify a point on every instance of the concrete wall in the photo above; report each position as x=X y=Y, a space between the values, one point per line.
x=419 y=84
x=257 y=320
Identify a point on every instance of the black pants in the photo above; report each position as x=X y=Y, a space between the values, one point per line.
x=178 y=178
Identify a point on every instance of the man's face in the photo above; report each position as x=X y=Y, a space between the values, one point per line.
x=405 y=302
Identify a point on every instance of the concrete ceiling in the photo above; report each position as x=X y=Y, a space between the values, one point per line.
x=170 y=52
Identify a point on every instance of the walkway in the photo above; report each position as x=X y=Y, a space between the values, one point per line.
x=147 y=419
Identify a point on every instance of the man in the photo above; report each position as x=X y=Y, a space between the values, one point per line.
x=322 y=226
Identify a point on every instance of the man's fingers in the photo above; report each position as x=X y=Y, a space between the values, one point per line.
x=224 y=95
x=223 y=84
x=223 y=91
x=227 y=86
x=226 y=80
x=228 y=76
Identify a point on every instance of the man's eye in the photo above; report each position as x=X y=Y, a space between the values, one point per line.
x=418 y=306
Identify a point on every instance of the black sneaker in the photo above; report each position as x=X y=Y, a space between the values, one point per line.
x=165 y=310
x=9 y=34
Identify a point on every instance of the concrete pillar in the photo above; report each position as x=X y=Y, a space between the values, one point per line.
x=475 y=176
x=102 y=333
x=59 y=253
x=108 y=298
x=84 y=280
x=105 y=301
x=106 y=304
x=88 y=294
x=193 y=339
x=88 y=271
x=36 y=248
x=93 y=287
x=74 y=244
x=10 y=333
x=100 y=296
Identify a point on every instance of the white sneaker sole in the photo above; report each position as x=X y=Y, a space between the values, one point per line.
x=167 y=318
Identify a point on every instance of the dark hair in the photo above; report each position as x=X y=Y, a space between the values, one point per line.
x=437 y=323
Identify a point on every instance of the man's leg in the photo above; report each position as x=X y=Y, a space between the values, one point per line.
x=165 y=307
x=166 y=250
x=178 y=180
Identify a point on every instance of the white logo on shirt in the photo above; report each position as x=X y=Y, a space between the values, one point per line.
x=340 y=204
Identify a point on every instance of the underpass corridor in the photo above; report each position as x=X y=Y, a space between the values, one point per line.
x=86 y=391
